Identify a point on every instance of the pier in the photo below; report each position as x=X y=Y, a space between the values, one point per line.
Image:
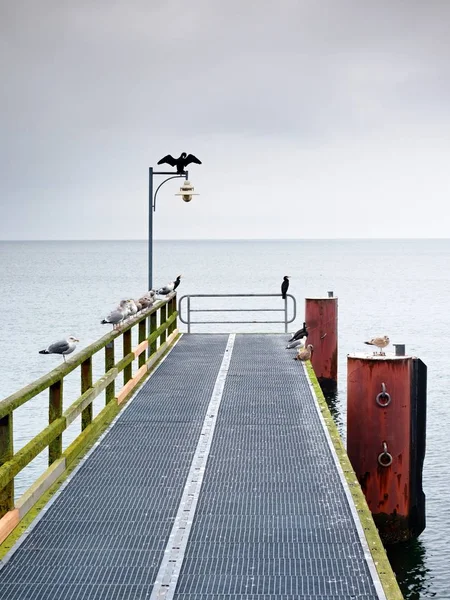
x=220 y=475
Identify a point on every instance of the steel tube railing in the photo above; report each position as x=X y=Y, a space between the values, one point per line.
x=189 y=322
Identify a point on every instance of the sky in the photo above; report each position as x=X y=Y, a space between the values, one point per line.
x=312 y=118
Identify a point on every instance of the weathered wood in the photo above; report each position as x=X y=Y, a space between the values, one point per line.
x=109 y=364
x=51 y=437
x=36 y=387
x=85 y=399
x=173 y=310
x=6 y=453
x=152 y=340
x=55 y=410
x=128 y=370
x=142 y=338
x=86 y=385
x=26 y=454
x=163 y=319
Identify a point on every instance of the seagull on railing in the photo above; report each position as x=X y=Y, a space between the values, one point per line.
x=146 y=301
x=181 y=162
x=116 y=316
x=62 y=347
x=170 y=287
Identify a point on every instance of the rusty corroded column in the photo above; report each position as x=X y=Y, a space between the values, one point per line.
x=321 y=317
x=386 y=416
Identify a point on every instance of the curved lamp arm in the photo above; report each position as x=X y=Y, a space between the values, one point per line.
x=162 y=183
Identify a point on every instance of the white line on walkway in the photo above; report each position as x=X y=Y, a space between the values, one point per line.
x=169 y=571
x=367 y=554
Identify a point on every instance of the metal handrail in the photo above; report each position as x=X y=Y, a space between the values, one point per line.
x=190 y=310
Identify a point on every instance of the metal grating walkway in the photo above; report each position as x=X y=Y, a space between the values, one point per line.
x=271 y=520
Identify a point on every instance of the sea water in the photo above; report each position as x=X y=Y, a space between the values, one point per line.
x=400 y=288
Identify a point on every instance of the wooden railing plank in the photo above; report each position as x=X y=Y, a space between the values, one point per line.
x=142 y=338
x=86 y=385
x=109 y=364
x=51 y=437
x=55 y=409
x=15 y=400
x=6 y=453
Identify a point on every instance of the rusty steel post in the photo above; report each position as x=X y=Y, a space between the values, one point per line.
x=386 y=417
x=321 y=317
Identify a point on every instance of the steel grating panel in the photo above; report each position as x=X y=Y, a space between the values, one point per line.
x=272 y=520
x=105 y=534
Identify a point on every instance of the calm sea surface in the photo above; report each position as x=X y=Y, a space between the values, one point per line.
x=402 y=288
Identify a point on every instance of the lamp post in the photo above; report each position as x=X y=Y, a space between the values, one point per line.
x=186 y=192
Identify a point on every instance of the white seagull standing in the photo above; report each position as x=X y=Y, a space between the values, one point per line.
x=63 y=347
x=116 y=316
x=170 y=287
x=379 y=342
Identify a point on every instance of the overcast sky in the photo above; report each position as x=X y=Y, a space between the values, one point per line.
x=313 y=118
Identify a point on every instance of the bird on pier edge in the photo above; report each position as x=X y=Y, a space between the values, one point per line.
x=285 y=286
x=181 y=162
x=380 y=343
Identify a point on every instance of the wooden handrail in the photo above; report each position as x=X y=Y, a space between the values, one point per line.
x=31 y=390
x=51 y=436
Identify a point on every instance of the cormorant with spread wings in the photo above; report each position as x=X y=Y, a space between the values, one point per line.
x=180 y=163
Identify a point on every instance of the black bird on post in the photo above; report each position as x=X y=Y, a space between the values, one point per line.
x=284 y=286
x=180 y=163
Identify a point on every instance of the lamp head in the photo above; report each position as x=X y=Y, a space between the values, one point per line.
x=187 y=191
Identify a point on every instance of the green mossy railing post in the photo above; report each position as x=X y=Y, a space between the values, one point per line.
x=142 y=338
x=174 y=309
x=163 y=319
x=6 y=453
x=86 y=384
x=55 y=411
x=169 y=314
x=153 y=327
x=110 y=390
x=59 y=419
x=128 y=370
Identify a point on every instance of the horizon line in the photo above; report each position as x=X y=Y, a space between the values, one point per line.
x=368 y=239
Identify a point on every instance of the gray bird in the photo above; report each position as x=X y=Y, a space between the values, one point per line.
x=296 y=343
x=116 y=316
x=62 y=347
x=170 y=287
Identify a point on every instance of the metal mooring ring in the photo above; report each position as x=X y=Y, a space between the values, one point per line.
x=383 y=394
x=385 y=459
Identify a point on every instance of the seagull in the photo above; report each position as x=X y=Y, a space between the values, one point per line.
x=301 y=333
x=284 y=286
x=146 y=301
x=296 y=343
x=305 y=354
x=132 y=307
x=170 y=287
x=117 y=315
x=379 y=342
x=62 y=347
x=180 y=163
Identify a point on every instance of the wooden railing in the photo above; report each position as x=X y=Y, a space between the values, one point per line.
x=157 y=330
